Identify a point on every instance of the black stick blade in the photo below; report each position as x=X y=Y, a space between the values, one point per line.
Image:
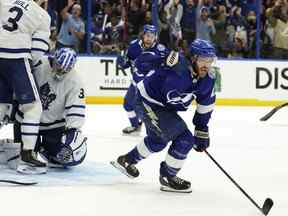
x=267 y=206
x=274 y=110
x=268 y=115
x=18 y=182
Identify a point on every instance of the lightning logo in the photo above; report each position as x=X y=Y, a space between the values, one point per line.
x=176 y=98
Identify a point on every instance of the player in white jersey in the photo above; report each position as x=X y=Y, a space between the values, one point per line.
x=25 y=29
x=63 y=102
x=24 y=34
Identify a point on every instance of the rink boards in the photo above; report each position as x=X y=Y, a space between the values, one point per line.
x=242 y=82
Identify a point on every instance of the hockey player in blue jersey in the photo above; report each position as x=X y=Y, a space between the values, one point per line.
x=160 y=96
x=148 y=43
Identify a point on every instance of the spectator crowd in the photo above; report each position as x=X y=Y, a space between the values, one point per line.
x=107 y=26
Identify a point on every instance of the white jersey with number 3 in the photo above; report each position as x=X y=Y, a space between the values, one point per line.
x=63 y=101
x=24 y=29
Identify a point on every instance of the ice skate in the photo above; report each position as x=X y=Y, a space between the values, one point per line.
x=29 y=164
x=174 y=184
x=125 y=167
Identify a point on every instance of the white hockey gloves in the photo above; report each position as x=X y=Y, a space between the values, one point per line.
x=172 y=59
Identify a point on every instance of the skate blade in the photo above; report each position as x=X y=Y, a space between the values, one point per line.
x=133 y=134
x=120 y=168
x=168 y=189
x=55 y=166
x=26 y=169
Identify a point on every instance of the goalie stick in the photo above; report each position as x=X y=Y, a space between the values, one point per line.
x=17 y=182
x=268 y=203
x=272 y=112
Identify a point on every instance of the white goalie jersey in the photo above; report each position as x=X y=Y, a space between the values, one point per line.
x=63 y=101
x=24 y=29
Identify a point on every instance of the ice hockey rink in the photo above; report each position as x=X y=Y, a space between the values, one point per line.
x=254 y=153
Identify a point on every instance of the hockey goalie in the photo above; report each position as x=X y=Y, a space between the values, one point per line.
x=60 y=141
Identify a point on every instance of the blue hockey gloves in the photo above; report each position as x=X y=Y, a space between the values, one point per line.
x=122 y=62
x=202 y=140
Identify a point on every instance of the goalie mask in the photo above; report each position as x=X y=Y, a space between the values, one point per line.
x=64 y=61
x=73 y=149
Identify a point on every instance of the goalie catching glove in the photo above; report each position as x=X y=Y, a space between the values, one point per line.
x=73 y=148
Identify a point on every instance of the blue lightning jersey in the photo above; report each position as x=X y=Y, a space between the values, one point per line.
x=175 y=88
x=135 y=49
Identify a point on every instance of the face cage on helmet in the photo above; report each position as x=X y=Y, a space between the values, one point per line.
x=57 y=69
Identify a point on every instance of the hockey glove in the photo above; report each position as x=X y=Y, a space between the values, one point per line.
x=73 y=148
x=202 y=140
x=172 y=59
x=122 y=62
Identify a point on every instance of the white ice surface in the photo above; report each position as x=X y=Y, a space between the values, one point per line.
x=254 y=153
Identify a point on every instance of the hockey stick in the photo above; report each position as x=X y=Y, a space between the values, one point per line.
x=274 y=110
x=18 y=182
x=268 y=202
x=124 y=16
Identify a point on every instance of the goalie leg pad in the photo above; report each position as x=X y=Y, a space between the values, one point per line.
x=5 y=113
x=13 y=155
x=2 y=152
x=10 y=153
